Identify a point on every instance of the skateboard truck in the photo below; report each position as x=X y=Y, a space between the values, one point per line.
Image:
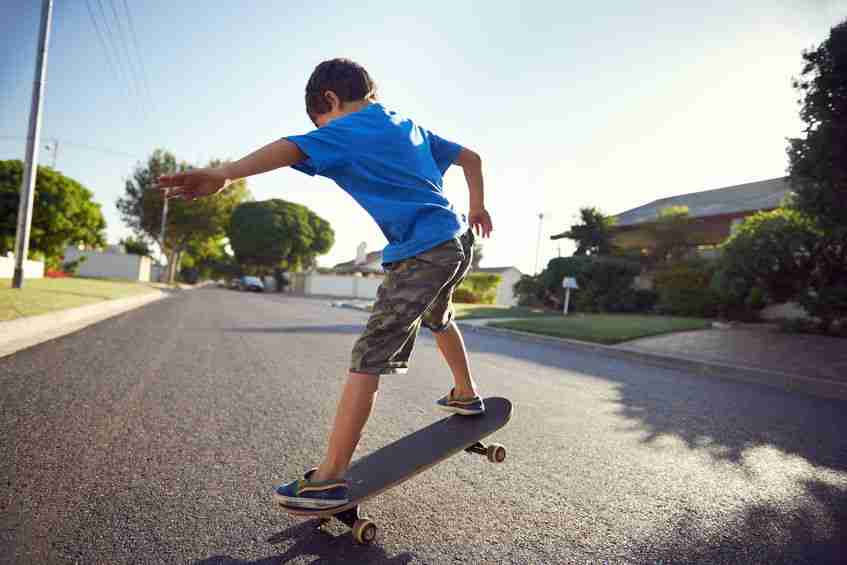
x=363 y=528
x=495 y=452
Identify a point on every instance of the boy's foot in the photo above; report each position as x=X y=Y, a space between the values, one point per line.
x=312 y=495
x=469 y=406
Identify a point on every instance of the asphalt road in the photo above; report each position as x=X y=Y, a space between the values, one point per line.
x=157 y=437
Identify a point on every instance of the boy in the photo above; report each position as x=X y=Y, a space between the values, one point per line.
x=393 y=168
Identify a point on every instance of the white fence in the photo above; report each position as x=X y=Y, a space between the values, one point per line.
x=340 y=285
x=110 y=265
x=32 y=269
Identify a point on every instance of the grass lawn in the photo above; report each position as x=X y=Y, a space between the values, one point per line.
x=39 y=296
x=607 y=329
x=476 y=311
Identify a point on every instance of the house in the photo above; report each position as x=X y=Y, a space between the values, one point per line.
x=715 y=213
x=364 y=263
x=508 y=277
x=111 y=263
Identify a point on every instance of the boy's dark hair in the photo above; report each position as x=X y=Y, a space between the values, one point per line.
x=347 y=79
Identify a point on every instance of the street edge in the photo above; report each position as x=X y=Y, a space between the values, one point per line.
x=26 y=332
x=785 y=381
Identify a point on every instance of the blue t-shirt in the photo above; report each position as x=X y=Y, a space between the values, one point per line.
x=393 y=168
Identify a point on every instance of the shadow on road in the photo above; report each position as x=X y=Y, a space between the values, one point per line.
x=812 y=532
x=324 y=547
x=334 y=329
x=726 y=420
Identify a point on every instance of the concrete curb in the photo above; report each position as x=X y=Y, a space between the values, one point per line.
x=794 y=383
x=25 y=332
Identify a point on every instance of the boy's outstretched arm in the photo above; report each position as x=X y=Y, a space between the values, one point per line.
x=196 y=183
x=478 y=216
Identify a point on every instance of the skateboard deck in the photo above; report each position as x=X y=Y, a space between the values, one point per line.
x=400 y=461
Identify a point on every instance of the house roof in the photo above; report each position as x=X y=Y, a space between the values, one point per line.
x=495 y=270
x=753 y=196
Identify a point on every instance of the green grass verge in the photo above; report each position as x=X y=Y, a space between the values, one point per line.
x=607 y=329
x=39 y=296
x=477 y=311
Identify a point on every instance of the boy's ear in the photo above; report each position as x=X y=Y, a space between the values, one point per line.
x=333 y=100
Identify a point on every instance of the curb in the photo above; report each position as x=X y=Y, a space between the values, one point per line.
x=794 y=383
x=22 y=333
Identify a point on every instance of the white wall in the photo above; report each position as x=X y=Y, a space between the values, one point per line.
x=505 y=294
x=342 y=285
x=110 y=265
x=32 y=269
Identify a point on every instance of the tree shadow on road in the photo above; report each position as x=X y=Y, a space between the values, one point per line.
x=723 y=417
x=324 y=548
x=726 y=420
x=812 y=531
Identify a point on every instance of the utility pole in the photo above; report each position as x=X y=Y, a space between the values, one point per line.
x=166 y=273
x=31 y=169
x=538 y=245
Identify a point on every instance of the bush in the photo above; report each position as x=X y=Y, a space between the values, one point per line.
x=72 y=267
x=478 y=288
x=529 y=291
x=685 y=289
x=605 y=283
x=645 y=300
x=465 y=296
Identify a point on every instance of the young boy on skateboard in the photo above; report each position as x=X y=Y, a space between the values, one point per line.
x=393 y=168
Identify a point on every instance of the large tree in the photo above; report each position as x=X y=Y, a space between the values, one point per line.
x=818 y=172
x=275 y=234
x=593 y=235
x=188 y=223
x=64 y=212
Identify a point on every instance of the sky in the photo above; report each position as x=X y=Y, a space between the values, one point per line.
x=570 y=104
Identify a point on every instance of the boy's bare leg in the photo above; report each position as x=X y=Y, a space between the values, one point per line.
x=452 y=347
x=352 y=413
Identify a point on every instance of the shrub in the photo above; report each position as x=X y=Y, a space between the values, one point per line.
x=478 y=288
x=72 y=267
x=605 y=283
x=465 y=296
x=529 y=290
x=645 y=300
x=685 y=289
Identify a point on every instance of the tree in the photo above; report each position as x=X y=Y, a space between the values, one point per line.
x=818 y=161
x=593 y=236
x=188 y=223
x=670 y=234
x=477 y=256
x=818 y=173
x=64 y=213
x=136 y=246
x=772 y=250
x=275 y=234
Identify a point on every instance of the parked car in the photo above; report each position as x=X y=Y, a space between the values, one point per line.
x=251 y=283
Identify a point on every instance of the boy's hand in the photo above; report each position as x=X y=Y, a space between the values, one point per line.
x=193 y=183
x=480 y=222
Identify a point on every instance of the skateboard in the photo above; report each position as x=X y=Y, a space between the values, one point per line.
x=400 y=461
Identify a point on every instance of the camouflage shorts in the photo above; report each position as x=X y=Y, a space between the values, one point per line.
x=416 y=291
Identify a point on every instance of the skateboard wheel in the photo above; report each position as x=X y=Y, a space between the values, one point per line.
x=364 y=531
x=496 y=453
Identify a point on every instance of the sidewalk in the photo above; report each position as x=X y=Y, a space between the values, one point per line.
x=22 y=333
x=759 y=353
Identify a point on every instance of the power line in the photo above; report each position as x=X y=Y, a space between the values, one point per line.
x=130 y=65
x=81 y=146
x=138 y=53
x=112 y=42
x=102 y=42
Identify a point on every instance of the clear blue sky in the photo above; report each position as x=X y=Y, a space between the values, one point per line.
x=609 y=104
